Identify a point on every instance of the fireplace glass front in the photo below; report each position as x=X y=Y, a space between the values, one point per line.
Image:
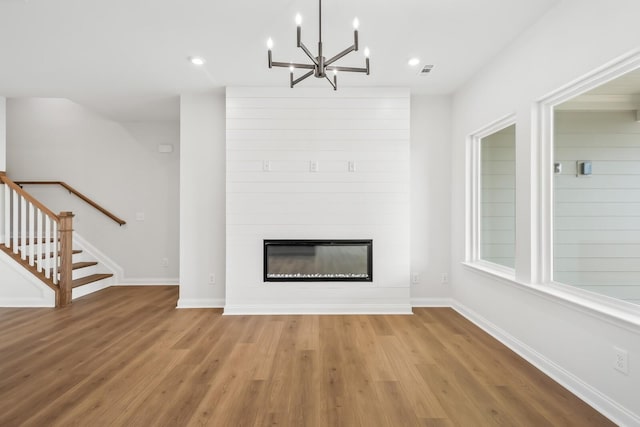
x=317 y=260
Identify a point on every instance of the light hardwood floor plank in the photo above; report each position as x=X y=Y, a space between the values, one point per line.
x=125 y=356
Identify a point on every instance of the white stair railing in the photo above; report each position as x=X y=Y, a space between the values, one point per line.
x=30 y=230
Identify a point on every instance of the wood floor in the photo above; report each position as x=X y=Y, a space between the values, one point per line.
x=125 y=357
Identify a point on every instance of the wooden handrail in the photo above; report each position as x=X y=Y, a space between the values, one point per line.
x=4 y=179
x=76 y=193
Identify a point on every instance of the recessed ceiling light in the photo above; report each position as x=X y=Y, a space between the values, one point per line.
x=197 y=60
x=414 y=61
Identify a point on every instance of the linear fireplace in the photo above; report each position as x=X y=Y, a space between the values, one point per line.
x=318 y=260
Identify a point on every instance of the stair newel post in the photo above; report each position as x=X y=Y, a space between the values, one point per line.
x=65 y=230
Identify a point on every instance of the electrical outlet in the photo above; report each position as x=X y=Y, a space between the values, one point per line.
x=444 y=278
x=212 y=279
x=266 y=165
x=415 y=278
x=352 y=166
x=313 y=166
x=164 y=262
x=620 y=360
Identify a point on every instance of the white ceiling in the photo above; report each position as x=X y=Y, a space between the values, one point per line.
x=128 y=58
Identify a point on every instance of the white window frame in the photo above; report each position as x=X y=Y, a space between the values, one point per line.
x=544 y=176
x=473 y=227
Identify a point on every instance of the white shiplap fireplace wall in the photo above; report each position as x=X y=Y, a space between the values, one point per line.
x=289 y=129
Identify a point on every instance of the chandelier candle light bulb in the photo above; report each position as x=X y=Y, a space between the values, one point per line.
x=356 y=24
x=320 y=65
x=291 y=69
x=269 y=46
x=298 y=30
x=366 y=58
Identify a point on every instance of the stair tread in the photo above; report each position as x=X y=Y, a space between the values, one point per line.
x=77 y=265
x=75 y=251
x=89 y=279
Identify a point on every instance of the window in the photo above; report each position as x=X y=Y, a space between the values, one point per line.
x=492 y=197
x=497 y=197
x=589 y=224
x=596 y=189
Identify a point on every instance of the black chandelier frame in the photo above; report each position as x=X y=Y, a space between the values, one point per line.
x=319 y=64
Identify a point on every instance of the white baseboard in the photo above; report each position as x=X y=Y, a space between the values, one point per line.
x=200 y=303
x=153 y=281
x=431 y=302
x=601 y=403
x=267 y=309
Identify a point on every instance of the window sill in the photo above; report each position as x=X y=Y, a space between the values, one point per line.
x=611 y=310
x=492 y=269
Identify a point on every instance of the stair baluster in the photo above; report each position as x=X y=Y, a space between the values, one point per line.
x=32 y=234
x=7 y=215
x=39 y=252
x=48 y=249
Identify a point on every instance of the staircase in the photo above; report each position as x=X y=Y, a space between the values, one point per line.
x=41 y=241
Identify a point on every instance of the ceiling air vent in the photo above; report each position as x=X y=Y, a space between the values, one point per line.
x=426 y=70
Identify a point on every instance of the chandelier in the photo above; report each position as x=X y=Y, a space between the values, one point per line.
x=320 y=66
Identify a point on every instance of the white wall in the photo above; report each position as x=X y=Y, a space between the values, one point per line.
x=573 y=344
x=289 y=129
x=115 y=164
x=19 y=288
x=597 y=217
x=202 y=200
x=430 y=198
x=3 y=153
x=3 y=133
